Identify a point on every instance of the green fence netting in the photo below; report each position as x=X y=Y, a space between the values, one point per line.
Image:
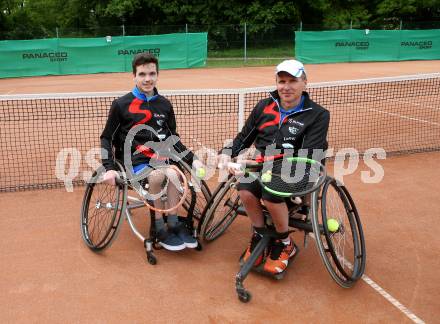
x=363 y=45
x=58 y=56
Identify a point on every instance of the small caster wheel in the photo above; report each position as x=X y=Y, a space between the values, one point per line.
x=151 y=259
x=244 y=296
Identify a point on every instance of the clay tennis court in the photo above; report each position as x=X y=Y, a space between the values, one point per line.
x=49 y=275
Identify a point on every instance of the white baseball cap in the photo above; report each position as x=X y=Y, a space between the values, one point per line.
x=293 y=67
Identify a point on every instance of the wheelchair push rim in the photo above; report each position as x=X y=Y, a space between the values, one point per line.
x=102 y=212
x=343 y=250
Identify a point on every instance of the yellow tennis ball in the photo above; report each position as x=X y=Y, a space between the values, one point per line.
x=266 y=176
x=200 y=173
x=332 y=225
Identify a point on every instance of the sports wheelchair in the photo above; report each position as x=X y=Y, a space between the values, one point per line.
x=105 y=206
x=342 y=251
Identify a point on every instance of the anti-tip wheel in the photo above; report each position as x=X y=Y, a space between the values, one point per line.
x=244 y=296
x=151 y=259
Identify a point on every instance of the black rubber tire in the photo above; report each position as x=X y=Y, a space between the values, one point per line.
x=201 y=190
x=343 y=251
x=244 y=296
x=101 y=221
x=222 y=212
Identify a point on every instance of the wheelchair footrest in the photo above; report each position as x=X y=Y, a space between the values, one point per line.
x=260 y=269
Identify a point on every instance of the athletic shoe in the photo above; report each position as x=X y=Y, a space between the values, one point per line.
x=279 y=256
x=183 y=233
x=252 y=244
x=170 y=241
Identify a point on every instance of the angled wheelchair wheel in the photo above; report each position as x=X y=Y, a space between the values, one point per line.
x=199 y=193
x=338 y=232
x=223 y=210
x=102 y=212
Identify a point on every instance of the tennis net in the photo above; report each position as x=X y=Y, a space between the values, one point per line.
x=400 y=115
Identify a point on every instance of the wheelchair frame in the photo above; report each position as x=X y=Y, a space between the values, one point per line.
x=121 y=208
x=311 y=223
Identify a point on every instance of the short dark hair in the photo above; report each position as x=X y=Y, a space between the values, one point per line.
x=144 y=58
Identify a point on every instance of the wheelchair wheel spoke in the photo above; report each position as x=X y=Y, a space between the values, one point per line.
x=101 y=213
x=340 y=248
x=222 y=212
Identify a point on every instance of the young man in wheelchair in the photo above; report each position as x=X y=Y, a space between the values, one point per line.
x=289 y=121
x=145 y=107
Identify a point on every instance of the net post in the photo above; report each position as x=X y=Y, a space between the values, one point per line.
x=241 y=103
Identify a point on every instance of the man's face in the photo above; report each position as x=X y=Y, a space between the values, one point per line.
x=146 y=78
x=290 y=89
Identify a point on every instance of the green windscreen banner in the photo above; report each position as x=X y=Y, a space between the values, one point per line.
x=58 y=56
x=362 y=45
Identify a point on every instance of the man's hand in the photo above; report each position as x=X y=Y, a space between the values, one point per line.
x=223 y=160
x=110 y=176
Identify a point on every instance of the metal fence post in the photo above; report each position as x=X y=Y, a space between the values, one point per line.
x=56 y=31
x=245 y=44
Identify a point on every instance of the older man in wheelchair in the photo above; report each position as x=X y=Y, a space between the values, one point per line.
x=287 y=120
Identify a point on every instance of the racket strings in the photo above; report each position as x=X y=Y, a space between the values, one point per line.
x=163 y=186
x=292 y=177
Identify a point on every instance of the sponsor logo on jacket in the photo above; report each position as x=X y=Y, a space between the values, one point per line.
x=293 y=121
x=293 y=130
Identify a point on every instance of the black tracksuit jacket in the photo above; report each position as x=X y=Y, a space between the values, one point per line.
x=129 y=111
x=305 y=129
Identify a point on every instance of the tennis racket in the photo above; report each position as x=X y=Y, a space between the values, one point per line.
x=164 y=188
x=287 y=177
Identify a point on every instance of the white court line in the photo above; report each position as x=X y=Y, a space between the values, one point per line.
x=238 y=80
x=413 y=317
x=393 y=301
x=408 y=102
x=415 y=104
x=405 y=117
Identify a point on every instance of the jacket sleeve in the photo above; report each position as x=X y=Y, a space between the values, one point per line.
x=315 y=138
x=246 y=136
x=180 y=148
x=108 y=136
